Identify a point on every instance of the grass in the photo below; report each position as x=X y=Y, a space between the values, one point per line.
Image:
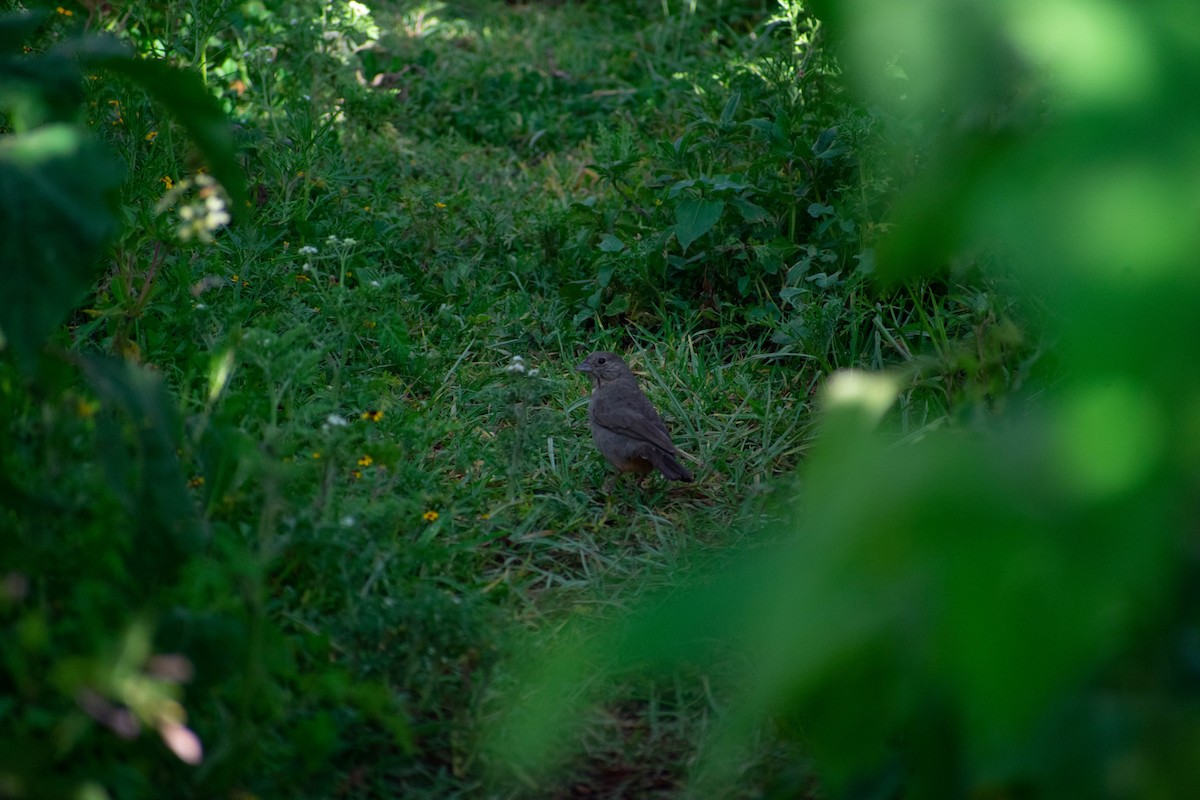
x=378 y=484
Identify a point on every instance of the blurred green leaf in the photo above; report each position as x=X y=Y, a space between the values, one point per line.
x=186 y=97
x=56 y=195
x=16 y=28
x=138 y=442
x=223 y=452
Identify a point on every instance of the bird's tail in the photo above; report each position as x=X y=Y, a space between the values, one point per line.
x=672 y=469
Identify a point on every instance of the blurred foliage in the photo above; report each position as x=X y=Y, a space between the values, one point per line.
x=1009 y=611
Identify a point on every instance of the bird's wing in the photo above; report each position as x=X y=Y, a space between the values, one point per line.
x=637 y=420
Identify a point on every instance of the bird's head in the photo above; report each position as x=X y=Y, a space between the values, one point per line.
x=602 y=367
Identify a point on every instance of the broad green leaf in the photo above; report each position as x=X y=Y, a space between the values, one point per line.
x=751 y=212
x=611 y=244
x=55 y=215
x=694 y=218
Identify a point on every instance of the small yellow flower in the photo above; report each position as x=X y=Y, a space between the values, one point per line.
x=430 y=516
x=167 y=182
x=372 y=415
x=151 y=136
x=356 y=474
x=439 y=205
x=234 y=278
x=196 y=482
x=66 y=12
x=366 y=461
x=86 y=408
x=316 y=454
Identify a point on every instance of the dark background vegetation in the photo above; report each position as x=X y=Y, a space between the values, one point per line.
x=304 y=505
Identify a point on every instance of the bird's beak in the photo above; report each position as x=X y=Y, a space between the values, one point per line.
x=586 y=366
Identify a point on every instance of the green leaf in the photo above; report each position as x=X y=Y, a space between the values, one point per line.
x=55 y=215
x=866 y=261
x=223 y=454
x=137 y=442
x=678 y=187
x=768 y=129
x=789 y=294
x=751 y=212
x=611 y=244
x=826 y=146
x=605 y=273
x=724 y=183
x=617 y=306
x=694 y=218
x=186 y=97
x=731 y=108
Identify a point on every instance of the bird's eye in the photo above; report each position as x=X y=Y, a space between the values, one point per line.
x=601 y=360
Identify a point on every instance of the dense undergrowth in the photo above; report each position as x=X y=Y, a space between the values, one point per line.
x=309 y=490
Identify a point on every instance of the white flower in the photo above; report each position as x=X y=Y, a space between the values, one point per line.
x=349 y=242
x=336 y=421
x=516 y=366
x=308 y=250
x=202 y=213
x=347 y=521
x=376 y=284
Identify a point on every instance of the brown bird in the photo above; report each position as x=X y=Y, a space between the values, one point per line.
x=625 y=427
